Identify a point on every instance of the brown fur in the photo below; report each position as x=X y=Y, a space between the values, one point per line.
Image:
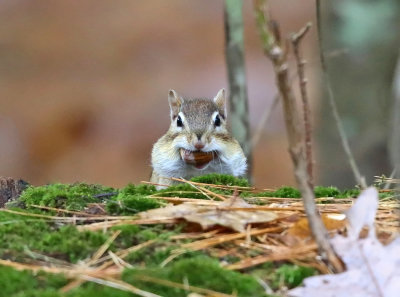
x=198 y=127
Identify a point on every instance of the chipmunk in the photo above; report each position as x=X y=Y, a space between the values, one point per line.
x=197 y=141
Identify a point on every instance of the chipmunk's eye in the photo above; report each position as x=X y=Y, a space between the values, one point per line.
x=217 y=121
x=179 y=122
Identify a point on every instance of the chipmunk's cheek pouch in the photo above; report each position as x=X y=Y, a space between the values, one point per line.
x=197 y=158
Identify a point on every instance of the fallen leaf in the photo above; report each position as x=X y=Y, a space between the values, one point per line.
x=363 y=212
x=217 y=214
x=301 y=230
x=372 y=268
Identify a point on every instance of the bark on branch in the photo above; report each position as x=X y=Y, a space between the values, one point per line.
x=296 y=39
x=234 y=51
x=276 y=51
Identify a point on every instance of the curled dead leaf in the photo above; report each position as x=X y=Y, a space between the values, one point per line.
x=217 y=214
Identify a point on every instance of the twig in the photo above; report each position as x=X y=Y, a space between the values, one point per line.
x=68 y=219
x=103 y=248
x=224 y=187
x=346 y=147
x=392 y=175
x=276 y=51
x=370 y=270
x=206 y=243
x=394 y=141
x=80 y=213
x=77 y=282
x=264 y=119
x=117 y=284
x=296 y=39
x=302 y=252
x=171 y=284
x=105 y=195
x=202 y=190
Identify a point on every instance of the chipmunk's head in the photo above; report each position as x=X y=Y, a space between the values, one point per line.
x=198 y=127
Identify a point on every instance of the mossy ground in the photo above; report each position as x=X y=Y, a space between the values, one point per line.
x=30 y=239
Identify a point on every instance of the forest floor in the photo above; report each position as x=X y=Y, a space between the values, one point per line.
x=212 y=236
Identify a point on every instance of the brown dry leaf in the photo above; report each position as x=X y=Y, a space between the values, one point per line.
x=210 y=215
x=300 y=230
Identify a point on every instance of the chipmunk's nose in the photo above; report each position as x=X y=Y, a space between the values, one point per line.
x=199 y=145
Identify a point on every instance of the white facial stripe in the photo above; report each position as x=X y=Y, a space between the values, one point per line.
x=182 y=116
x=214 y=115
x=174 y=124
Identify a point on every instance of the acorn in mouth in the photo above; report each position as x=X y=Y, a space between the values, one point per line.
x=198 y=159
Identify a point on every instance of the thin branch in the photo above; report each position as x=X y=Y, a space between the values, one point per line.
x=296 y=38
x=264 y=119
x=346 y=147
x=392 y=175
x=266 y=116
x=276 y=51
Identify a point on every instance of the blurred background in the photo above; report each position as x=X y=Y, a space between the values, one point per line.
x=84 y=84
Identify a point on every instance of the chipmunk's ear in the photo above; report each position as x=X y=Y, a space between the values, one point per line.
x=220 y=101
x=175 y=103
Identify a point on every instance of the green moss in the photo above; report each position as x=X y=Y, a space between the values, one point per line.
x=73 y=244
x=131 y=204
x=38 y=293
x=292 y=275
x=181 y=190
x=187 y=191
x=18 y=233
x=283 y=192
x=70 y=197
x=152 y=255
x=287 y=192
x=21 y=234
x=326 y=191
x=95 y=290
x=221 y=179
x=351 y=193
x=132 y=199
x=201 y=272
x=127 y=237
x=24 y=283
x=278 y=275
x=320 y=191
x=131 y=189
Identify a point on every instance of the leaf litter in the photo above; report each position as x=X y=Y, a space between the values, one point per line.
x=276 y=230
x=372 y=268
x=220 y=213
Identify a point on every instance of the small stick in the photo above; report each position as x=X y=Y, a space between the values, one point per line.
x=276 y=51
x=264 y=119
x=117 y=284
x=301 y=252
x=215 y=186
x=206 y=243
x=62 y=210
x=339 y=124
x=171 y=284
x=296 y=38
x=224 y=187
x=77 y=282
x=103 y=248
x=201 y=189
